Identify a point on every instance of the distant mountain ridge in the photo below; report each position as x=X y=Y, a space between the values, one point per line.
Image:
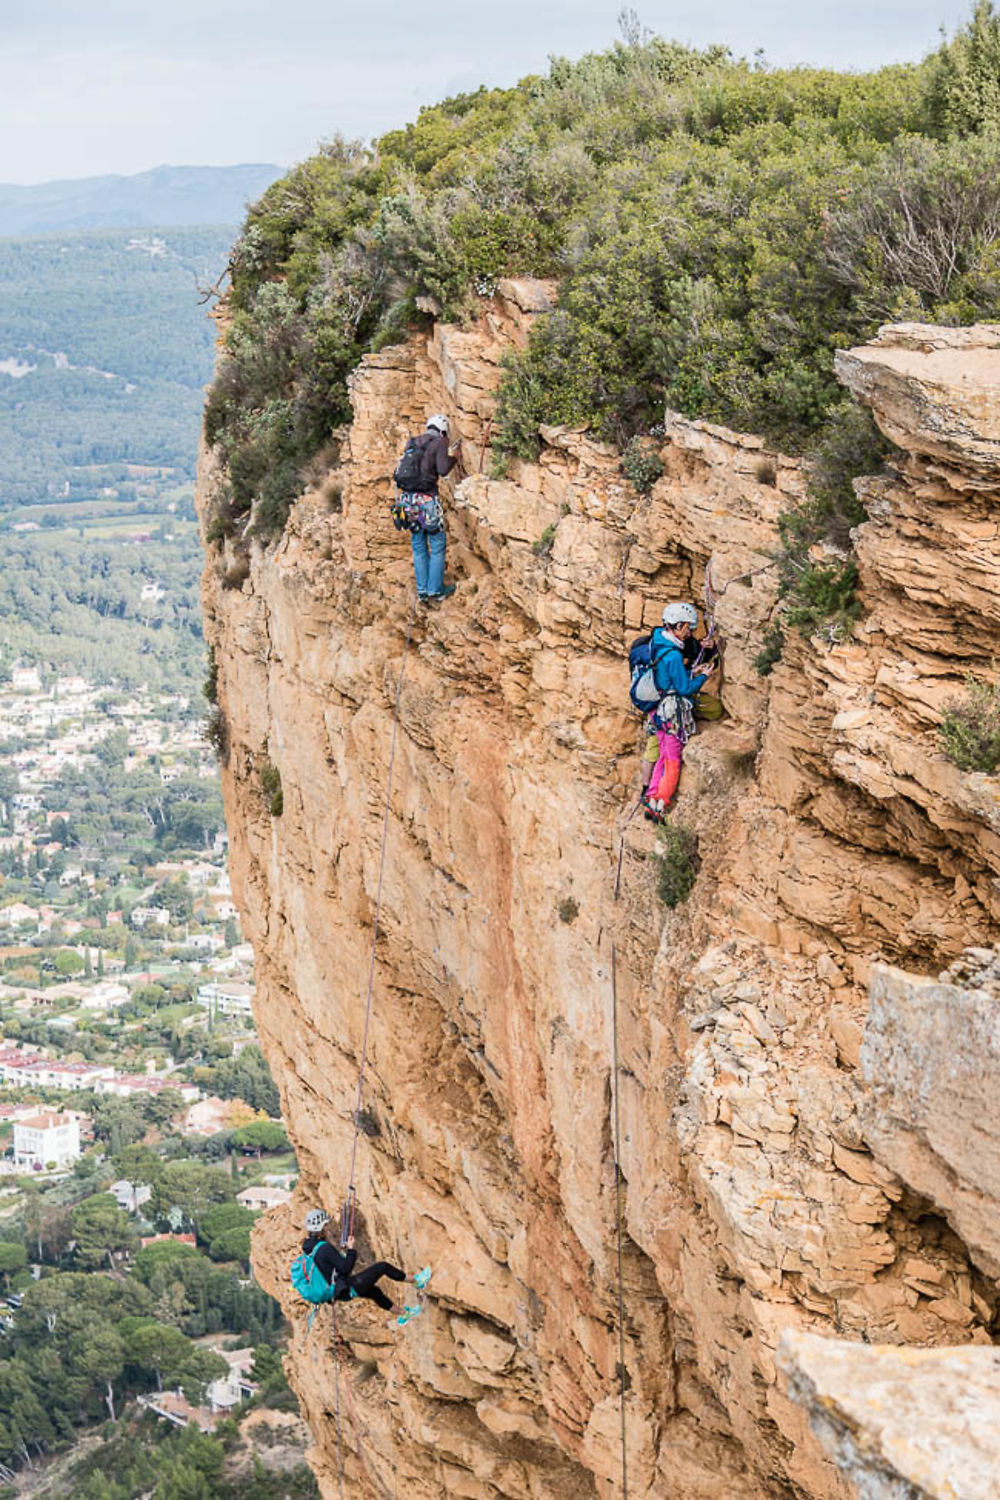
x=162 y=197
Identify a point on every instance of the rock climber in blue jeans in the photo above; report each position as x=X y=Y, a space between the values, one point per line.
x=423 y=510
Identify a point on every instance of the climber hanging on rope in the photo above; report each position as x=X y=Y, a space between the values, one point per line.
x=665 y=689
x=322 y=1273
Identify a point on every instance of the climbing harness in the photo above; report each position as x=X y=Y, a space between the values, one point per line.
x=348 y=1210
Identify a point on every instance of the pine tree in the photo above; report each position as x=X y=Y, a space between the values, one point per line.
x=966 y=90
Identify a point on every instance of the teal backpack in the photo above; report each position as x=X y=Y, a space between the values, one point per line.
x=309 y=1281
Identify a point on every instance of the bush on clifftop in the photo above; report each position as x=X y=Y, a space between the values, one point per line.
x=718 y=229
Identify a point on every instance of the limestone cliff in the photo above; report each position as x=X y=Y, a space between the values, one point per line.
x=780 y=1177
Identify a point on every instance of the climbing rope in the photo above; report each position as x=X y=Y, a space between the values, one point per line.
x=347 y=1213
x=618 y=1207
x=338 y=1354
x=712 y=597
x=619 y=1214
x=486 y=444
x=621 y=845
x=336 y=1408
x=350 y=1204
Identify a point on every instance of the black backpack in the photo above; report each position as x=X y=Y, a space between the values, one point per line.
x=410 y=476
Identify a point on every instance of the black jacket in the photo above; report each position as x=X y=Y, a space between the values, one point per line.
x=695 y=658
x=336 y=1265
x=435 y=461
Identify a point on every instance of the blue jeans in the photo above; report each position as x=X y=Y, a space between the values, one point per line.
x=428 y=561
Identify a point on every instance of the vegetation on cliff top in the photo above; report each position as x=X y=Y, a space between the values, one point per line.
x=717 y=227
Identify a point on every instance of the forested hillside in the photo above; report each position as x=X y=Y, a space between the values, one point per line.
x=72 y=598
x=105 y=349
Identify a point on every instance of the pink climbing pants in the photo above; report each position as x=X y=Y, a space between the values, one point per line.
x=667 y=771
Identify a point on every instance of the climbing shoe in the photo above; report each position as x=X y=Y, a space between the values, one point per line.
x=421 y=1278
x=445 y=593
x=408 y=1313
x=653 y=810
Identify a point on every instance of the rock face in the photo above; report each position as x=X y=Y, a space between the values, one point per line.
x=771 y=1184
x=931 y=1060
x=904 y=1424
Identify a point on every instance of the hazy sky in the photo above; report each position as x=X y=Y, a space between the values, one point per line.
x=95 y=86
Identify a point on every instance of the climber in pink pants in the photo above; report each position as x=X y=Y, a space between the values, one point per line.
x=672 y=720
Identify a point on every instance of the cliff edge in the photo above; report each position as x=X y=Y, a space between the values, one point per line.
x=790 y=1162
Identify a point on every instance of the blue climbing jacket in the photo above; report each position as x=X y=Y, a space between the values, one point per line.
x=669 y=672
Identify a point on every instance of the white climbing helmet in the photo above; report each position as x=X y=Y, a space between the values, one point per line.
x=316 y=1220
x=680 y=614
x=438 y=423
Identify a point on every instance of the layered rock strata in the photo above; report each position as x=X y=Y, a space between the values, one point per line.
x=773 y=1184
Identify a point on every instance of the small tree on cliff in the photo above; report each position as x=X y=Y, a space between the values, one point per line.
x=965 y=92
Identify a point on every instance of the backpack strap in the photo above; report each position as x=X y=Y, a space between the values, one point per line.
x=423 y=443
x=656 y=655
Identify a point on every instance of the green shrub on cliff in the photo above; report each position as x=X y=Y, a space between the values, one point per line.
x=717 y=228
x=677 y=863
x=270 y=785
x=817 y=574
x=970 y=727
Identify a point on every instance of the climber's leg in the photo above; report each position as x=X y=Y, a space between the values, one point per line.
x=436 y=543
x=418 y=541
x=661 y=760
x=650 y=756
x=364 y=1282
x=670 y=774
